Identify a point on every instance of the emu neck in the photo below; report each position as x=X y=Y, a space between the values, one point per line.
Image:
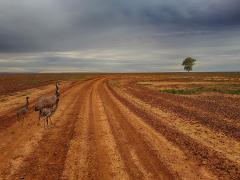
x=57 y=90
x=27 y=103
x=57 y=103
x=57 y=93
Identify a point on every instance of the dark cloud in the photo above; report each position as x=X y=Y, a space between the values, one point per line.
x=177 y=28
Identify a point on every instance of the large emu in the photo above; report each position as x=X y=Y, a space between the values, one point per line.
x=21 y=112
x=47 y=101
x=48 y=112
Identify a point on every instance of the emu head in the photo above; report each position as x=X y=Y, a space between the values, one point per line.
x=27 y=98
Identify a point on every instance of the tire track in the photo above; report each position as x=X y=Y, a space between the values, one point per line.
x=104 y=132
x=211 y=104
x=206 y=156
x=141 y=160
x=18 y=141
x=93 y=153
x=47 y=160
x=110 y=164
x=160 y=148
x=77 y=161
x=81 y=162
x=191 y=114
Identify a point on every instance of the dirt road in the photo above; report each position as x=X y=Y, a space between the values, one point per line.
x=102 y=131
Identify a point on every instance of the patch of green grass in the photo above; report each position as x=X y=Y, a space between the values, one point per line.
x=226 y=91
x=182 y=91
x=200 y=90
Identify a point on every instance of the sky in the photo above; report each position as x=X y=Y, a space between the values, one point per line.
x=118 y=35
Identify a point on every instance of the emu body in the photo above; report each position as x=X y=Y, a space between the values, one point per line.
x=47 y=102
x=47 y=113
x=23 y=110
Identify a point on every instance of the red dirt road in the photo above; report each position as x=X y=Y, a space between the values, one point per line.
x=103 y=131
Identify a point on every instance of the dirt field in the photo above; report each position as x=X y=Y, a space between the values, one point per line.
x=125 y=127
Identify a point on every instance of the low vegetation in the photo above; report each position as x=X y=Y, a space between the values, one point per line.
x=200 y=90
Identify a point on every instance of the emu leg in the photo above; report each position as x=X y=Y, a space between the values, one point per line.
x=50 y=120
x=39 y=117
x=47 y=121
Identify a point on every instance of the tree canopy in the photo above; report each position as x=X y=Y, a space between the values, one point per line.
x=188 y=63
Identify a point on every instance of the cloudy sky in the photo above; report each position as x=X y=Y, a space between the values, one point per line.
x=118 y=35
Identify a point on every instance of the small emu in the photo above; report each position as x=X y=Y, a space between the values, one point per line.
x=47 y=102
x=23 y=110
x=48 y=112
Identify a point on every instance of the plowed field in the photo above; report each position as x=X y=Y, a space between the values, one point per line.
x=109 y=127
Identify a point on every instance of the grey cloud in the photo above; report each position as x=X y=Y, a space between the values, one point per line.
x=33 y=25
x=165 y=31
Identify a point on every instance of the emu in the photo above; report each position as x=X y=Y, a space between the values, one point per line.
x=47 y=102
x=48 y=112
x=21 y=112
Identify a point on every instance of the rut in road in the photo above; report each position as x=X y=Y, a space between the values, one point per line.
x=190 y=112
x=112 y=144
x=103 y=132
x=93 y=152
x=224 y=161
x=226 y=107
x=47 y=160
x=20 y=139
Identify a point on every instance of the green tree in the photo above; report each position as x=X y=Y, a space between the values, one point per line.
x=188 y=63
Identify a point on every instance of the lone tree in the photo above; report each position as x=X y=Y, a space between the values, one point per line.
x=188 y=63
